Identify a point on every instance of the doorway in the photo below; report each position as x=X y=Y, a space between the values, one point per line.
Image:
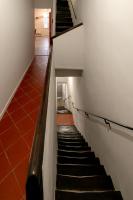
x=42 y=31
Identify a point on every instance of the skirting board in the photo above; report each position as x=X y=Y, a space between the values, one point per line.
x=13 y=93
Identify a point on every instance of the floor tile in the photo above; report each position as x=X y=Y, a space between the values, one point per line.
x=9 y=189
x=14 y=106
x=31 y=106
x=5 y=166
x=1 y=148
x=17 y=130
x=17 y=152
x=5 y=123
x=25 y=125
x=9 y=137
x=21 y=173
x=29 y=138
x=24 y=100
x=34 y=115
x=64 y=119
x=18 y=115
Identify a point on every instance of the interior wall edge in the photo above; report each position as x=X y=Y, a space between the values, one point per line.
x=15 y=89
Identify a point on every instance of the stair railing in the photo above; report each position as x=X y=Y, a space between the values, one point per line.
x=34 y=185
x=74 y=12
x=88 y=115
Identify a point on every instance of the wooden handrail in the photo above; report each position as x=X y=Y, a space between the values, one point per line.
x=66 y=31
x=106 y=120
x=34 y=186
x=73 y=9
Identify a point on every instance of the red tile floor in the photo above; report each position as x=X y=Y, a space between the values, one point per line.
x=17 y=130
x=64 y=119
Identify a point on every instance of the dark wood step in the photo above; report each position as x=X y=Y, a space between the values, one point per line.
x=63 y=18
x=88 y=154
x=63 y=8
x=73 y=143
x=69 y=134
x=105 y=195
x=63 y=12
x=75 y=148
x=84 y=183
x=71 y=139
x=80 y=170
x=67 y=129
x=77 y=160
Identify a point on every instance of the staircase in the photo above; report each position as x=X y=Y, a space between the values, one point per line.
x=63 y=17
x=80 y=175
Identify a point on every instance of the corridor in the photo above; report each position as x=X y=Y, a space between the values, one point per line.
x=17 y=130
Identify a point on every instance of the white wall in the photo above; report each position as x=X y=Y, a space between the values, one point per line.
x=43 y=3
x=50 y=145
x=16 y=45
x=68 y=50
x=106 y=86
x=113 y=147
x=108 y=51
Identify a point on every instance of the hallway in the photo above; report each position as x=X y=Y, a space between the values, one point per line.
x=42 y=46
x=17 y=130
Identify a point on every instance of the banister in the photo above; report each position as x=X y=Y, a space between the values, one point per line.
x=66 y=31
x=106 y=120
x=73 y=9
x=34 y=184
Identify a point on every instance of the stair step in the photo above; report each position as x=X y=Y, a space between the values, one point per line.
x=62 y=8
x=71 y=139
x=69 y=135
x=63 y=18
x=84 y=183
x=88 y=154
x=67 y=23
x=63 y=12
x=73 y=143
x=99 y=195
x=67 y=129
x=80 y=170
x=62 y=3
x=76 y=148
x=77 y=160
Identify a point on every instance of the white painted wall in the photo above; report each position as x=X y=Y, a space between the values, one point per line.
x=106 y=86
x=50 y=145
x=43 y=3
x=68 y=50
x=16 y=46
x=113 y=147
x=108 y=51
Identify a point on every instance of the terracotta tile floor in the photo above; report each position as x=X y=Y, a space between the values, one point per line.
x=17 y=130
x=64 y=119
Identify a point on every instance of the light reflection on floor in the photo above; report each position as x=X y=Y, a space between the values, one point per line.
x=41 y=46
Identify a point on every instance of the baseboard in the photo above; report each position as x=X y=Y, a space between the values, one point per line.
x=13 y=93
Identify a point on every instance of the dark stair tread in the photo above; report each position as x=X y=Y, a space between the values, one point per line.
x=76 y=148
x=99 y=195
x=73 y=143
x=70 y=135
x=89 y=154
x=80 y=170
x=84 y=183
x=77 y=160
x=67 y=129
x=71 y=139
